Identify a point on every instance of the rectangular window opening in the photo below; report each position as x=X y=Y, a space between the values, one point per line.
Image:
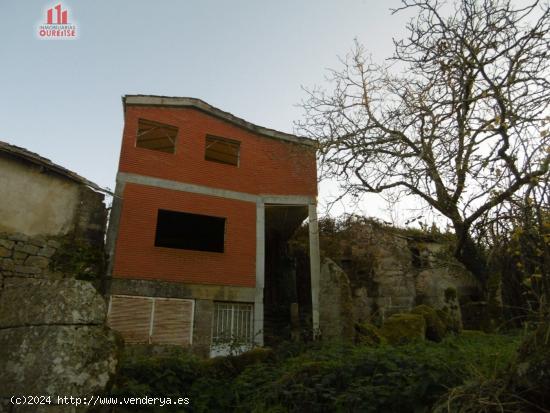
x=190 y=231
x=232 y=324
x=222 y=150
x=156 y=136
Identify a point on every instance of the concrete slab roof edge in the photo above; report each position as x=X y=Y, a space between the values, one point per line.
x=32 y=157
x=173 y=101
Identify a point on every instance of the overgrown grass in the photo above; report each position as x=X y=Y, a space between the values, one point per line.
x=320 y=377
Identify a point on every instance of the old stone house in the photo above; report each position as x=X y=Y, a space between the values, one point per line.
x=53 y=337
x=200 y=195
x=39 y=197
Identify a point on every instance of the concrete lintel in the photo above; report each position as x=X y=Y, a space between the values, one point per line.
x=185 y=187
x=165 y=289
x=289 y=199
x=260 y=275
x=315 y=265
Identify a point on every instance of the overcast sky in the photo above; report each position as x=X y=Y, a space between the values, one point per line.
x=62 y=99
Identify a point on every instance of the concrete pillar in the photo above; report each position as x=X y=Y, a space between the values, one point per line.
x=315 y=266
x=112 y=229
x=260 y=275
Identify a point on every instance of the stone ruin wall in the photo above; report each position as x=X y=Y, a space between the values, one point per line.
x=53 y=337
x=382 y=272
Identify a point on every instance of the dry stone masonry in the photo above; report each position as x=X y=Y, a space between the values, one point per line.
x=379 y=271
x=53 y=339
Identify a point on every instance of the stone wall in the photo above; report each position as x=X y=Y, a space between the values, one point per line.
x=389 y=271
x=53 y=337
x=336 y=312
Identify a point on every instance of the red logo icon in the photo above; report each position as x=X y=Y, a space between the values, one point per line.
x=57 y=24
x=61 y=15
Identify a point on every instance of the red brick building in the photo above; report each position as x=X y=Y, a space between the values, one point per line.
x=198 y=192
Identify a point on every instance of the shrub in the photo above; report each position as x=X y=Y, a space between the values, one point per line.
x=322 y=377
x=368 y=334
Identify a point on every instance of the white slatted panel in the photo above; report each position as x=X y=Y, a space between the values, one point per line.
x=172 y=322
x=131 y=316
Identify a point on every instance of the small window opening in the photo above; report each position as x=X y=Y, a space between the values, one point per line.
x=156 y=136
x=232 y=328
x=222 y=150
x=189 y=231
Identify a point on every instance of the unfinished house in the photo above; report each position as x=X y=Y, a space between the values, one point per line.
x=203 y=201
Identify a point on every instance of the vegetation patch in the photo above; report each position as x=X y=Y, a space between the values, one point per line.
x=368 y=334
x=78 y=259
x=319 y=377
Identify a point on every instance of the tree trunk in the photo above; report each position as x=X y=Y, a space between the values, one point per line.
x=469 y=254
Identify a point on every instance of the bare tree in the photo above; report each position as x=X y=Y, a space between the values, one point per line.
x=461 y=108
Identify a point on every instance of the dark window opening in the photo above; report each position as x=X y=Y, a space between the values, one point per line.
x=190 y=231
x=156 y=136
x=222 y=150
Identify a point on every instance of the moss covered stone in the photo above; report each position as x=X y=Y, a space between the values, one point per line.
x=404 y=328
x=436 y=329
x=448 y=318
x=368 y=334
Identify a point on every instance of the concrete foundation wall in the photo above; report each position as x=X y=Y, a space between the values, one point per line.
x=204 y=296
x=35 y=202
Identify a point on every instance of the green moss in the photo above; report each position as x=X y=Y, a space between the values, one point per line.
x=368 y=334
x=450 y=294
x=436 y=329
x=77 y=258
x=404 y=328
x=452 y=324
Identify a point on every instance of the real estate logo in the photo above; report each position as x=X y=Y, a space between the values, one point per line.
x=57 y=25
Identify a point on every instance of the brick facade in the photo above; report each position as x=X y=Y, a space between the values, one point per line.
x=267 y=165
x=273 y=168
x=138 y=258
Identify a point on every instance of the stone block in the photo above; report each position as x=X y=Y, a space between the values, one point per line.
x=23 y=269
x=404 y=328
x=57 y=360
x=5 y=252
x=18 y=237
x=27 y=248
x=7 y=264
x=336 y=304
x=53 y=243
x=7 y=243
x=36 y=261
x=67 y=301
x=20 y=256
x=47 y=251
x=38 y=241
